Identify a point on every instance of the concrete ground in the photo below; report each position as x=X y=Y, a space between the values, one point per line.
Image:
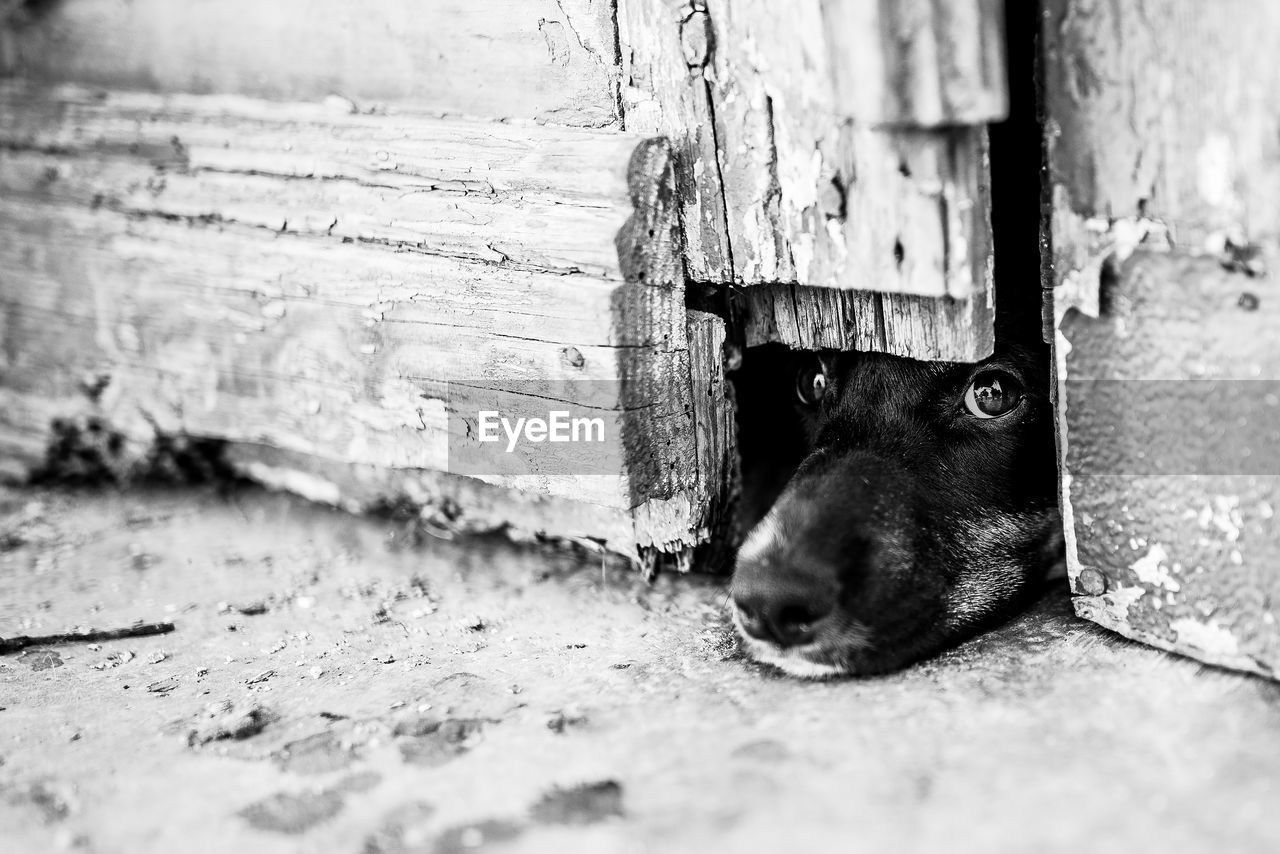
x=335 y=685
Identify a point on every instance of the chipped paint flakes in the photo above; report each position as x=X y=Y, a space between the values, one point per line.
x=1223 y=513
x=1151 y=569
x=1210 y=638
x=1112 y=605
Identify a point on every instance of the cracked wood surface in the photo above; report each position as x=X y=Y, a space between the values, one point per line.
x=337 y=287
x=538 y=199
x=1161 y=110
x=666 y=45
x=1162 y=142
x=839 y=227
x=548 y=60
x=818 y=200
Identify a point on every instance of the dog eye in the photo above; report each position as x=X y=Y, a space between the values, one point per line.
x=992 y=394
x=811 y=384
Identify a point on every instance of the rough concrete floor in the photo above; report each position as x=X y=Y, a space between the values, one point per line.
x=333 y=686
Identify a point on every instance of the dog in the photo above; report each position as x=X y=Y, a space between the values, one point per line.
x=895 y=507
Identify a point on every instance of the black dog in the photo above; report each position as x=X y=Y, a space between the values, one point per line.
x=915 y=507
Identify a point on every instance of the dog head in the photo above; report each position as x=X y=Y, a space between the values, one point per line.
x=923 y=510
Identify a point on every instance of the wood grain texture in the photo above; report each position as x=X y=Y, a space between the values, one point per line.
x=815 y=200
x=915 y=327
x=181 y=247
x=919 y=63
x=666 y=46
x=659 y=434
x=1165 y=110
x=716 y=438
x=496 y=193
x=552 y=61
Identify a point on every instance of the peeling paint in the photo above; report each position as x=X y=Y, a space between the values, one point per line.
x=1224 y=515
x=1070 y=548
x=1111 y=609
x=1151 y=569
x=1208 y=637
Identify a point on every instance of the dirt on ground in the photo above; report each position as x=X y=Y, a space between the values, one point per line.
x=338 y=684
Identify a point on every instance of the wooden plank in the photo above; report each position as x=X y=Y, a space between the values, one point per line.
x=1169 y=418
x=815 y=200
x=920 y=63
x=910 y=326
x=447 y=503
x=1161 y=112
x=666 y=49
x=1162 y=147
x=145 y=228
x=807 y=198
x=297 y=343
x=192 y=314
x=510 y=195
x=552 y=61
x=716 y=437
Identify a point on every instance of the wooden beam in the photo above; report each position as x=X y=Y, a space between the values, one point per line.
x=497 y=193
x=144 y=230
x=1161 y=114
x=552 y=61
x=910 y=326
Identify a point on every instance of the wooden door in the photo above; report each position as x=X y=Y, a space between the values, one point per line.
x=832 y=161
x=1163 y=141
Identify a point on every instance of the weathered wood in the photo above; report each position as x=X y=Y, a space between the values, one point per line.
x=794 y=185
x=144 y=228
x=332 y=349
x=1169 y=418
x=666 y=46
x=1162 y=142
x=659 y=432
x=548 y=60
x=905 y=325
x=816 y=200
x=517 y=196
x=1162 y=112
x=449 y=503
x=920 y=63
x=716 y=437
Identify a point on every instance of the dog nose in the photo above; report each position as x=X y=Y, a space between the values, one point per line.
x=784 y=620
